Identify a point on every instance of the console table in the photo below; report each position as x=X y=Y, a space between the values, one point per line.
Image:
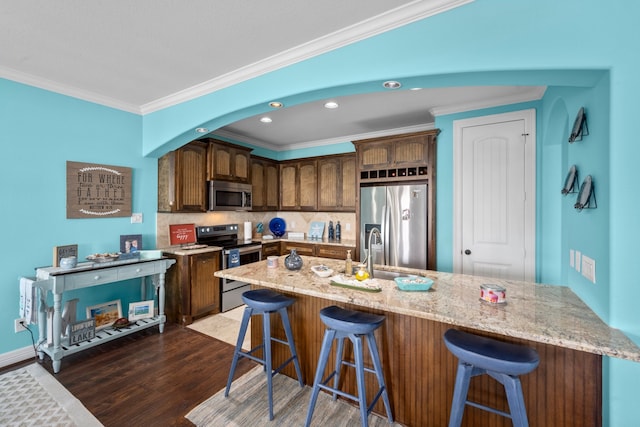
x=57 y=281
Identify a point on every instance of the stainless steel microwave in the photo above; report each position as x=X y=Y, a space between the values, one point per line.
x=229 y=196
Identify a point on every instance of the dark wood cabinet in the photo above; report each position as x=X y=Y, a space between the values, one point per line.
x=192 y=290
x=228 y=162
x=264 y=183
x=337 y=186
x=334 y=251
x=270 y=249
x=182 y=179
x=301 y=248
x=315 y=249
x=299 y=185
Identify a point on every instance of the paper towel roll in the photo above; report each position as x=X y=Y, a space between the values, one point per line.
x=247 y=230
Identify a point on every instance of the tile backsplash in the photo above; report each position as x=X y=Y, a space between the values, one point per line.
x=296 y=221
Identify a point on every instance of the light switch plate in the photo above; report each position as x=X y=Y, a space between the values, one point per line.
x=136 y=218
x=589 y=268
x=572 y=258
x=578 y=258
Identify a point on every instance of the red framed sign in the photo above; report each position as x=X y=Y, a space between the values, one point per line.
x=182 y=234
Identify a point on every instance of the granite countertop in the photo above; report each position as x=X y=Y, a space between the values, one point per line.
x=535 y=312
x=177 y=250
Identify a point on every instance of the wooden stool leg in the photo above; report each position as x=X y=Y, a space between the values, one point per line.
x=327 y=342
x=238 y=350
x=463 y=378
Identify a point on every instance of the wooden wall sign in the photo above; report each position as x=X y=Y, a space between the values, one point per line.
x=95 y=191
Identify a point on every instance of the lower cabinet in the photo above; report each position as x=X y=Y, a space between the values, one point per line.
x=316 y=249
x=192 y=291
x=270 y=249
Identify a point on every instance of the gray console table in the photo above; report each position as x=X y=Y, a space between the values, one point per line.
x=57 y=281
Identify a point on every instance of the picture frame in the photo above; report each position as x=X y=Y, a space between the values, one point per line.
x=105 y=314
x=130 y=243
x=141 y=310
x=63 y=251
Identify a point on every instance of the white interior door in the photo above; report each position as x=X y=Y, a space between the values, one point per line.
x=494 y=184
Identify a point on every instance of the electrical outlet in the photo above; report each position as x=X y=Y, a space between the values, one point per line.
x=18 y=326
x=347 y=227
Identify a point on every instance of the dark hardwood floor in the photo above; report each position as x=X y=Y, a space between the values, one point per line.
x=148 y=378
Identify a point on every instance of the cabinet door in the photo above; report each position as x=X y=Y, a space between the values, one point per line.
x=257 y=185
x=228 y=162
x=190 y=178
x=308 y=185
x=241 y=166
x=337 y=183
x=205 y=287
x=411 y=151
x=375 y=155
x=288 y=178
x=302 y=248
x=271 y=186
x=182 y=179
x=270 y=249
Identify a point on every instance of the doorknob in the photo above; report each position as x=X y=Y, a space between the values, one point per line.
x=467 y=252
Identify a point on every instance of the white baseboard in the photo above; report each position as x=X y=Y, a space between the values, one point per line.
x=16 y=356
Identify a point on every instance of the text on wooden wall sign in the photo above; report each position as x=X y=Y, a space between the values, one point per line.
x=95 y=191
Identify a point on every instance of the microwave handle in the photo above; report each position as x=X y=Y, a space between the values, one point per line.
x=244 y=199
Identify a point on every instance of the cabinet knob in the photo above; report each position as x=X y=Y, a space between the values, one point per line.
x=96 y=277
x=138 y=270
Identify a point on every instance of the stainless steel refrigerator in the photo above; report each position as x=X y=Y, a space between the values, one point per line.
x=400 y=213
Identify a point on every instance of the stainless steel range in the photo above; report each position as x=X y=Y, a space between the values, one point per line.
x=235 y=252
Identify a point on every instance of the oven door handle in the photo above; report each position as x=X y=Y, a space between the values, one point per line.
x=246 y=249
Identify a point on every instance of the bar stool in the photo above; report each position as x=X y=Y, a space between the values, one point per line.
x=355 y=325
x=503 y=361
x=265 y=302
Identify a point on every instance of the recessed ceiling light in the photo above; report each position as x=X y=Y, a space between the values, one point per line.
x=416 y=88
x=202 y=130
x=276 y=104
x=331 y=105
x=266 y=119
x=391 y=84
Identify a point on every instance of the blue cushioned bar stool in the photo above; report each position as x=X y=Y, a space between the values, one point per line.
x=265 y=302
x=355 y=325
x=503 y=361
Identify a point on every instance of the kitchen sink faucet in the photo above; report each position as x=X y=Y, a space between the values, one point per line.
x=369 y=259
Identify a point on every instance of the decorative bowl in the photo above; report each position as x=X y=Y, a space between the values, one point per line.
x=321 y=270
x=104 y=257
x=413 y=283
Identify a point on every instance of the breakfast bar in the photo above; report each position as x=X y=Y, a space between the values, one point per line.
x=570 y=338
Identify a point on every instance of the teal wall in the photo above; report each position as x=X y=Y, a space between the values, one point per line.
x=582 y=50
x=40 y=132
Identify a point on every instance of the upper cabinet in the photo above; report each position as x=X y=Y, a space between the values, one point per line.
x=397 y=158
x=337 y=183
x=299 y=185
x=228 y=162
x=182 y=178
x=264 y=183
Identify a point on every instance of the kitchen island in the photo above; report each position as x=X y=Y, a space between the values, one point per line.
x=566 y=388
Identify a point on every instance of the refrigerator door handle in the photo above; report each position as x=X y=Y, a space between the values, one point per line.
x=385 y=234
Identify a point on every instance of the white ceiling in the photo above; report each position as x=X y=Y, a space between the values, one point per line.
x=145 y=55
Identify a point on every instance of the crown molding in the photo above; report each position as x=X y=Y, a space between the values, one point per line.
x=395 y=18
x=534 y=94
x=322 y=142
x=50 y=85
x=389 y=20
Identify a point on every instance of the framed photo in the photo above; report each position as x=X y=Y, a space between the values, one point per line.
x=105 y=314
x=60 y=252
x=140 y=310
x=130 y=243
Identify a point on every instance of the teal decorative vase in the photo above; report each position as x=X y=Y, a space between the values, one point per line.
x=293 y=261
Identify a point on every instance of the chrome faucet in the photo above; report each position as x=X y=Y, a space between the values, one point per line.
x=369 y=258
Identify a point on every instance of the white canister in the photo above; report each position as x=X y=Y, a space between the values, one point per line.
x=247 y=230
x=68 y=262
x=272 y=261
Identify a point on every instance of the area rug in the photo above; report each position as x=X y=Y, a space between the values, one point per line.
x=31 y=396
x=223 y=326
x=247 y=405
